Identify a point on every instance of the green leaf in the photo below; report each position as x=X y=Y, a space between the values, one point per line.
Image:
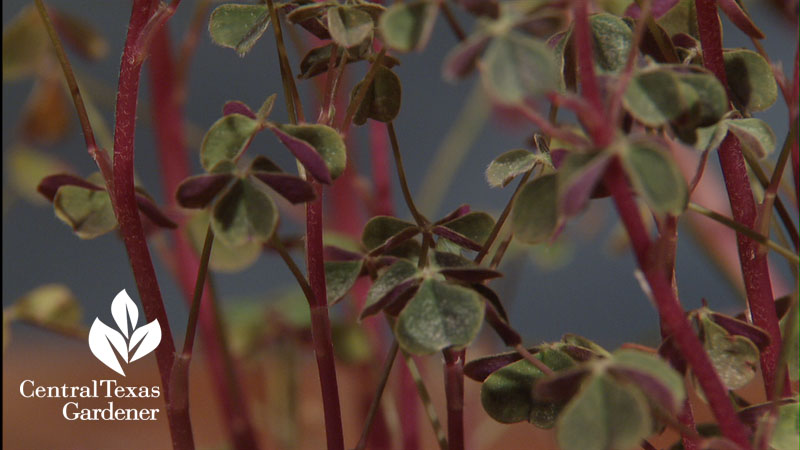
x=238 y=26
x=506 y=393
x=340 y=276
x=754 y=135
x=226 y=139
x=534 y=216
x=709 y=138
x=25 y=43
x=439 y=316
x=750 y=79
x=224 y=257
x=327 y=142
x=266 y=108
x=407 y=26
x=681 y=18
x=516 y=67
x=786 y=435
x=656 y=177
x=708 y=100
x=244 y=213
x=656 y=368
x=604 y=415
x=50 y=304
x=654 y=97
x=612 y=42
x=505 y=167
x=380 y=228
x=735 y=358
x=351 y=343
x=88 y=212
x=396 y=274
x=476 y=226
x=349 y=26
x=382 y=101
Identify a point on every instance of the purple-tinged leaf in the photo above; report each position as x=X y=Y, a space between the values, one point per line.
x=740 y=18
x=491 y=297
x=380 y=229
x=237 y=107
x=447 y=260
x=399 y=293
x=577 y=178
x=509 y=336
x=334 y=253
x=306 y=154
x=264 y=164
x=340 y=276
x=740 y=328
x=299 y=14
x=455 y=214
x=651 y=386
x=561 y=386
x=578 y=353
x=49 y=185
x=461 y=61
x=458 y=238
x=399 y=273
x=572 y=339
x=752 y=415
x=198 y=191
x=658 y=8
x=290 y=187
x=394 y=241
x=150 y=210
x=471 y=274
x=479 y=369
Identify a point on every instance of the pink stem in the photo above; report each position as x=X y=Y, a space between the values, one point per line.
x=454 y=392
x=321 y=325
x=670 y=310
x=130 y=224
x=755 y=269
x=170 y=131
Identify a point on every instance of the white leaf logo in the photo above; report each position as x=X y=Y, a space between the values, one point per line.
x=106 y=343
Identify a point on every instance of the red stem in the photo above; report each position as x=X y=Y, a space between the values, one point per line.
x=321 y=325
x=130 y=224
x=670 y=310
x=755 y=269
x=174 y=160
x=454 y=392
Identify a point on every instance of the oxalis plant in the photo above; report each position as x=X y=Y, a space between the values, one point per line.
x=648 y=84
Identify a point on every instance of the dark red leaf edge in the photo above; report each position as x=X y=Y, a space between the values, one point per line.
x=199 y=190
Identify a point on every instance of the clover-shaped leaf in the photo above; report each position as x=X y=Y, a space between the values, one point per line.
x=469 y=231
x=440 y=315
x=87 y=211
x=49 y=304
x=380 y=229
x=578 y=178
x=291 y=187
x=244 y=213
x=226 y=139
x=750 y=79
x=400 y=279
x=407 y=26
x=224 y=257
x=754 y=135
x=510 y=164
x=534 y=216
x=238 y=26
x=656 y=177
x=382 y=99
x=348 y=25
x=735 y=358
x=506 y=393
x=319 y=148
x=517 y=67
x=612 y=41
x=340 y=276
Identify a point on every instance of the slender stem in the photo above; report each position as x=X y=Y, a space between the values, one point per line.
x=751 y=234
x=533 y=360
x=194 y=311
x=551 y=130
x=294 y=268
x=771 y=193
x=168 y=96
x=376 y=400
x=755 y=269
x=502 y=219
x=421 y=221
x=344 y=127
x=99 y=155
x=293 y=105
x=451 y=20
x=670 y=310
x=129 y=221
x=189 y=44
x=320 y=323
x=454 y=393
x=424 y=396
x=780 y=207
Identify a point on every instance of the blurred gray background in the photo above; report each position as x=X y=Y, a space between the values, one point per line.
x=593 y=294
